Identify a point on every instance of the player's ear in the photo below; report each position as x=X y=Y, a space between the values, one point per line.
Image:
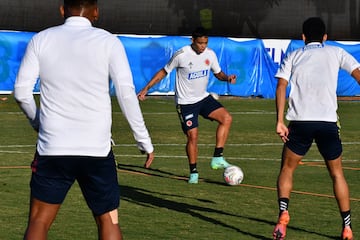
x=325 y=37
x=303 y=37
x=62 y=10
x=96 y=13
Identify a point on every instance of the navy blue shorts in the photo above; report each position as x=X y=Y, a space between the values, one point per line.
x=52 y=177
x=189 y=113
x=326 y=136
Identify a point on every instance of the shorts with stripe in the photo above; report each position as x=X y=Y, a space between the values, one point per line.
x=189 y=113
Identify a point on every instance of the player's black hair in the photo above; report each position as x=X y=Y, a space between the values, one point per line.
x=70 y=5
x=199 y=32
x=314 y=29
x=79 y=3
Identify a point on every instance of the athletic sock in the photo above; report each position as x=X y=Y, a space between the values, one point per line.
x=193 y=168
x=346 y=216
x=283 y=204
x=218 y=152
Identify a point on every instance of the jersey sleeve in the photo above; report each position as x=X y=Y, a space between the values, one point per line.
x=285 y=68
x=25 y=81
x=347 y=61
x=174 y=61
x=215 y=66
x=121 y=76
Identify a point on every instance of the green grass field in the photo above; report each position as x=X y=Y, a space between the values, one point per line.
x=159 y=204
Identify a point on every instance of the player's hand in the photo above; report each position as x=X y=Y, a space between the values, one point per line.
x=35 y=123
x=142 y=94
x=149 y=160
x=232 y=79
x=282 y=131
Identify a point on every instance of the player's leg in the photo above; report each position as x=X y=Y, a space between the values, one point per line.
x=41 y=216
x=329 y=144
x=300 y=140
x=188 y=115
x=340 y=187
x=192 y=153
x=48 y=190
x=289 y=164
x=342 y=195
x=192 y=145
x=213 y=110
x=224 y=118
x=108 y=226
x=99 y=184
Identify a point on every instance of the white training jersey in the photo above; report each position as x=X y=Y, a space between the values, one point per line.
x=75 y=62
x=192 y=73
x=312 y=72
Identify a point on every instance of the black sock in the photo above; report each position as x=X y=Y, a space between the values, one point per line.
x=218 y=152
x=346 y=216
x=283 y=204
x=193 y=168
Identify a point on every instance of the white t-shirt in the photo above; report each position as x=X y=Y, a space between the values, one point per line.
x=312 y=72
x=192 y=73
x=74 y=62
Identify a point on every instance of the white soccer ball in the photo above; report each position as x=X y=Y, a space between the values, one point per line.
x=233 y=175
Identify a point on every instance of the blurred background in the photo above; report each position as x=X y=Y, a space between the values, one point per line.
x=266 y=19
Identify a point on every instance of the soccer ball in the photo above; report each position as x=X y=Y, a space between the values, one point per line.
x=233 y=175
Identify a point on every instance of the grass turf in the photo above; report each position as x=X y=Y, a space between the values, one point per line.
x=158 y=203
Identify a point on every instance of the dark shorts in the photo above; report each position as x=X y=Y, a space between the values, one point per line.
x=326 y=136
x=189 y=113
x=52 y=177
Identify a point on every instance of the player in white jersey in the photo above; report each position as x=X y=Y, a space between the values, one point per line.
x=312 y=73
x=193 y=65
x=74 y=62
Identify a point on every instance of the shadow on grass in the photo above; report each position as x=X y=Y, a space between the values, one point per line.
x=148 y=198
x=161 y=173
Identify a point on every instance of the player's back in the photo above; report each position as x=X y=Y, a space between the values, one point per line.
x=75 y=108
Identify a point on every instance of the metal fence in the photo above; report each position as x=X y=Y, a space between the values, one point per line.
x=274 y=19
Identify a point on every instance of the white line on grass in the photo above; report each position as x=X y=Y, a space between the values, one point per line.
x=179 y=144
x=172 y=113
x=227 y=158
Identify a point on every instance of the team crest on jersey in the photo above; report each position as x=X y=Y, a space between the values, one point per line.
x=189 y=123
x=207 y=62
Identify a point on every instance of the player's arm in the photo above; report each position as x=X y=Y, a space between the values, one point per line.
x=281 y=128
x=356 y=74
x=155 y=79
x=121 y=76
x=24 y=85
x=227 y=78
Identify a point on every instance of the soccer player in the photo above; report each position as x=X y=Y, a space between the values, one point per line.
x=193 y=64
x=312 y=72
x=74 y=61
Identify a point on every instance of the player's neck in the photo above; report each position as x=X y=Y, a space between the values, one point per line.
x=195 y=49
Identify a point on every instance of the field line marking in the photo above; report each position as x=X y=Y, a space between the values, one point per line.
x=182 y=178
x=297 y=192
x=251 y=186
x=179 y=144
x=174 y=113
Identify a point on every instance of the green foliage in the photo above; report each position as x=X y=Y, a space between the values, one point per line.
x=158 y=203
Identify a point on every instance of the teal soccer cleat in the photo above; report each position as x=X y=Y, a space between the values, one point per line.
x=219 y=163
x=194 y=178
